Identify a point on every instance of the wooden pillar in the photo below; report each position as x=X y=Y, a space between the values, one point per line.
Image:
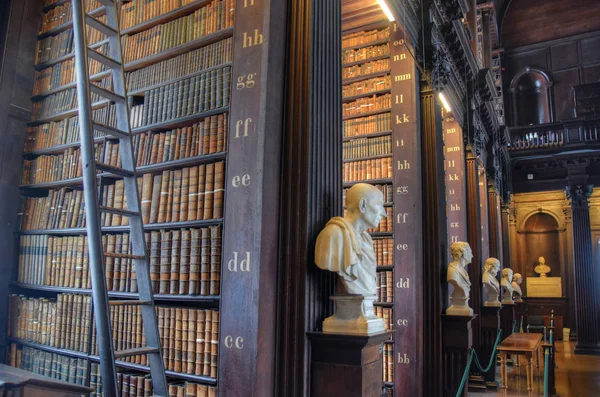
x=495 y=222
x=435 y=252
x=311 y=182
x=474 y=238
x=484 y=216
x=587 y=291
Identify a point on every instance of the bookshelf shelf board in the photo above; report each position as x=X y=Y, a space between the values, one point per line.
x=179 y=122
x=388 y=384
x=170 y=53
x=365 y=45
x=383 y=181
x=371 y=135
x=140 y=91
x=96 y=77
x=65 y=114
x=381 y=234
x=54 y=5
x=389 y=342
x=383 y=304
x=66 y=57
x=377 y=58
x=379 y=156
x=46 y=348
x=365 y=76
x=385 y=268
x=365 y=114
x=56 y=149
x=164 y=18
x=69 y=25
x=145 y=169
x=121 y=229
x=206 y=380
x=366 y=95
x=209 y=299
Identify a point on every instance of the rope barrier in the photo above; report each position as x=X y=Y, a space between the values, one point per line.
x=473 y=355
x=514 y=326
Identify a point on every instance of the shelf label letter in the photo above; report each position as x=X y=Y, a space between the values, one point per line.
x=244 y=264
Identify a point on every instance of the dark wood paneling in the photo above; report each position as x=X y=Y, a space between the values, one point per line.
x=20 y=23
x=591 y=74
x=311 y=182
x=248 y=299
x=527 y=22
x=563 y=103
x=564 y=56
x=589 y=50
x=435 y=252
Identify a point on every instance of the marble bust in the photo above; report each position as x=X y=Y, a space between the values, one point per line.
x=458 y=277
x=491 y=286
x=345 y=248
x=541 y=267
x=516 y=286
x=506 y=282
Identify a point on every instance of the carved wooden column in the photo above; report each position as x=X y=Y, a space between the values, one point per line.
x=435 y=255
x=587 y=291
x=495 y=222
x=474 y=238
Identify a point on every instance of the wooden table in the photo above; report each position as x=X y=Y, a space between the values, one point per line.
x=520 y=344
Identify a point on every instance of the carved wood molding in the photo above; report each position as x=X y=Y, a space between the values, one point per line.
x=579 y=195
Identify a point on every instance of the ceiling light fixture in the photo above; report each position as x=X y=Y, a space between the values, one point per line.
x=444 y=102
x=386 y=10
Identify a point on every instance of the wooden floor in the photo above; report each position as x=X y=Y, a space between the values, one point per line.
x=576 y=376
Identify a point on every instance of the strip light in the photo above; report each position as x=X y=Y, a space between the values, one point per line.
x=386 y=10
x=444 y=102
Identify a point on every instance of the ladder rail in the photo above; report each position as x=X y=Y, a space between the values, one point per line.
x=95 y=250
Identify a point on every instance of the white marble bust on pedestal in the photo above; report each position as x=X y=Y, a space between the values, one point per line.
x=458 y=277
x=491 y=286
x=542 y=268
x=506 y=282
x=345 y=247
x=516 y=286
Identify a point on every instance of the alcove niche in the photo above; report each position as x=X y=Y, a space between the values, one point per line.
x=542 y=238
x=531 y=102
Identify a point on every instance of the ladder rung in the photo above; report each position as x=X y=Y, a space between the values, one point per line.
x=103 y=28
x=123 y=256
x=128 y=303
x=136 y=352
x=107 y=94
x=113 y=170
x=118 y=211
x=103 y=59
x=110 y=131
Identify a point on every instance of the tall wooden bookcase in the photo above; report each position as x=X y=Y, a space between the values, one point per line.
x=249 y=185
x=382 y=147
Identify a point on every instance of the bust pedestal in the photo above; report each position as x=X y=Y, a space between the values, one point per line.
x=490 y=324
x=507 y=316
x=354 y=315
x=457 y=339
x=346 y=365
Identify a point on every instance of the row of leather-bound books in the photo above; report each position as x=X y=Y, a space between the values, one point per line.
x=367 y=125
x=386 y=190
x=189 y=337
x=187 y=194
x=65 y=131
x=364 y=87
x=388 y=363
x=209 y=19
x=364 y=37
x=387 y=314
x=385 y=287
x=366 y=68
x=57 y=46
x=384 y=251
x=367 y=147
x=61 y=74
x=203 y=138
x=75 y=370
x=181 y=262
x=133 y=384
x=136 y=12
x=365 y=170
x=366 y=105
x=365 y=53
x=63 y=13
x=59 y=102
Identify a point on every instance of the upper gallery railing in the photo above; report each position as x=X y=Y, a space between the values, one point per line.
x=573 y=134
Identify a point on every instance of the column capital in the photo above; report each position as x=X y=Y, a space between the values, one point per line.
x=578 y=195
